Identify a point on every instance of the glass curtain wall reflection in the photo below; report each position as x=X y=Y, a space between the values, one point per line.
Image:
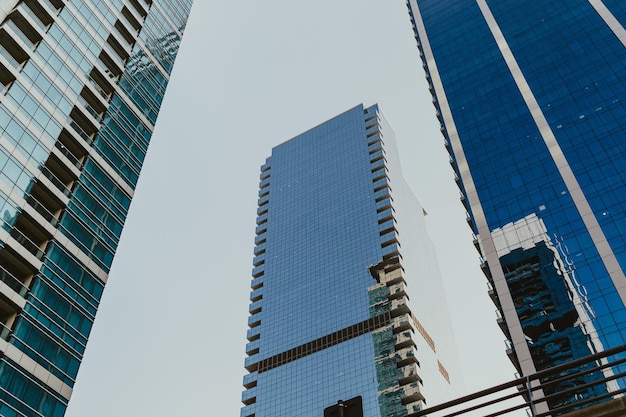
x=81 y=83
x=340 y=242
x=530 y=96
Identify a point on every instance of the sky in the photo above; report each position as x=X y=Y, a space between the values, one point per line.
x=169 y=336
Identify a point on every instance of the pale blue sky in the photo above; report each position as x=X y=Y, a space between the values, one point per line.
x=170 y=334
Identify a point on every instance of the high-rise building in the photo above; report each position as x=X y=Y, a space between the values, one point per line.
x=532 y=103
x=81 y=83
x=340 y=241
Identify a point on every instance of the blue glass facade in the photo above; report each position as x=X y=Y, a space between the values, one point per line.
x=81 y=83
x=530 y=96
x=335 y=250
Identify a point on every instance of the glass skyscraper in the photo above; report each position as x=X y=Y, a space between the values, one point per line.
x=532 y=103
x=81 y=83
x=340 y=245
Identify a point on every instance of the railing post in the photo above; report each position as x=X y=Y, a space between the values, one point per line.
x=530 y=396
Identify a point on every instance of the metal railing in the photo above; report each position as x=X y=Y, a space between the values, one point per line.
x=69 y=155
x=55 y=181
x=42 y=210
x=555 y=389
x=81 y=132
x=81 y=100
x=12 y=282
x=5 y=332
x=27 y=243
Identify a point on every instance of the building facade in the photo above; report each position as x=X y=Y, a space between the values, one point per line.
x=81 y=83
x=531 y=99
x=340 y=242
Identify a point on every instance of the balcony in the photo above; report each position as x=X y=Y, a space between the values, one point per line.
x=53 y=7
x=68 y=155
x=13 y=51
x=131 y=18
x=15 y=271
x=265 y=182
x=383 y=205
x=257 y=271
x=387 y=227
x=34 y=21
x=382 y=192
x=255 y=307
x=377 y=164
x=255 y=319
x=8 y=314
x=390 y=249
x=404 y=340
x=88 y=109
x=129 y=22
x=13 y=282
x=256 y=294
x=121 y=48
x=27 y=232
x=375 y=147
x=249 y=396
x=258 y=260
x=261 y=219
x=61 y=172
x=250 y=379
x=259 y=249
x=251 y=363
x=42 y=12
x=45 y=203
x=381 y=184
x=256 y=283
x=19 y=29
x=377 y=155
x=252 y=348
x=253 y=333
x=376 y=138
x=406 y=356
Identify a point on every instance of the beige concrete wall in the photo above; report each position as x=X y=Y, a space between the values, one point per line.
x=5 y=7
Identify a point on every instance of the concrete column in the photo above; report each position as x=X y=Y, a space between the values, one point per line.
x=5 y=8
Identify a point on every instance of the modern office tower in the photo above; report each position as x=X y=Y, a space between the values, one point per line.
x=340 y=241
x=531 y=99
x=81 y=82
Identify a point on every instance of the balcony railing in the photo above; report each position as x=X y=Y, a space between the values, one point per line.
x=555 y=391
x=11 y=24
x=28 y=12
x=27 y=243
x=13 y=283
x=57 y=182
x=81 y=132
x=91 y=110
x=39 y=208
x=5 y=332
x=68 y=155
x=99 y=89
